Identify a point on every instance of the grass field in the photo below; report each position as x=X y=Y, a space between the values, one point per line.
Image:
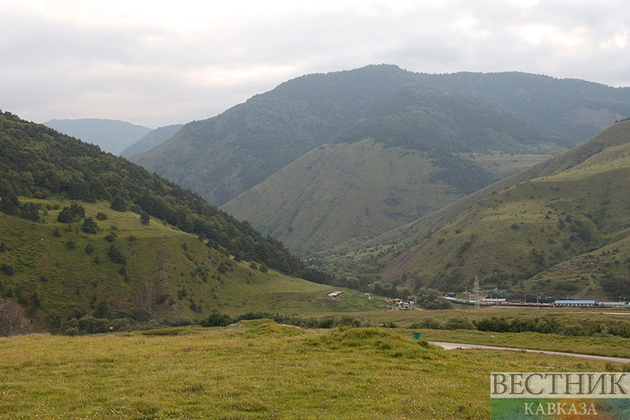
x=256 y=370
x=169 y=273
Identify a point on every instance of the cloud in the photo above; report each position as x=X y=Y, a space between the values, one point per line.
x=161 y=63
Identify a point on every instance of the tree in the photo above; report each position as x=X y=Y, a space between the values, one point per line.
x=12 y=319
x=116 y=256
x=145 y=218
x=29 y=211
x=74 y=213
x=10 y=204
x=89 y=226
x=118 y=204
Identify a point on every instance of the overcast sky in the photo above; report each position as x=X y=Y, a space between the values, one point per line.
x=156 y=63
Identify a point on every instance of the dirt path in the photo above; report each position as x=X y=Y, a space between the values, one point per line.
x=453 y=346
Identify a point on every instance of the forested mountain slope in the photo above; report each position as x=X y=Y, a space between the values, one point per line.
x=407 y=158
x=561 y=231
x=36 y=161
x=223 y=156
x=88 y=235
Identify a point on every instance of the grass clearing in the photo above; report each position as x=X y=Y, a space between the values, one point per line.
x=256 y=370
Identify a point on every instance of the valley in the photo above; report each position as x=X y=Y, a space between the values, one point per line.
x=350 y=204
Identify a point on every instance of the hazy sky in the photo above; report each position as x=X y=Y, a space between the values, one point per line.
x=156 y=63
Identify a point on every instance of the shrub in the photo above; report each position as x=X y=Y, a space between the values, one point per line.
x=458 y=323
x=116 y=256
x=89 y=226
x=7 y=269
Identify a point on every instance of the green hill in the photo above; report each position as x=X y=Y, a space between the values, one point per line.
x=221 y=157
x=409 y=158
x=561 y=230
x=56 y=270
x=568 y=110
x=82 y=231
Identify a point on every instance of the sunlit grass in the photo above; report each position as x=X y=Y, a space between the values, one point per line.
x=257 y=370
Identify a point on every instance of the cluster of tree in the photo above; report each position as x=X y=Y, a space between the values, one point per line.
x=36 y=161
x=10 y=204
x=217 y=319
x=552 y=325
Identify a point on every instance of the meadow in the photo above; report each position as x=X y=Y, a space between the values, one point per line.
x=253 y=370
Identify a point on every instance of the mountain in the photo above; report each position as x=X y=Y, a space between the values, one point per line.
x=80 y=227
x=110 y=135
x=151 y=139
x=223 y=156
x=407 y=158
x=226 y=155
x=569 y=110
x=561 y=229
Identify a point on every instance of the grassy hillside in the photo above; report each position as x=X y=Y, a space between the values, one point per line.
x=344 y=192
x=405 y=160
x=56 y=270
x=36 y=161
x=561 y=233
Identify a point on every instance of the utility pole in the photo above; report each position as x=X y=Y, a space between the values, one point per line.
x=477 y=303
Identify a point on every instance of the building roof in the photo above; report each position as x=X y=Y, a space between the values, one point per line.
x=577 y=302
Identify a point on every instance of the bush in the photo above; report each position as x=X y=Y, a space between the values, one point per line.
x=458 y=323
x=7 y=269
x=72 y=332
x=116 y=256
x=89 y=226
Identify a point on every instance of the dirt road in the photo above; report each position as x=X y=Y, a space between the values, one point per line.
x=454 y=346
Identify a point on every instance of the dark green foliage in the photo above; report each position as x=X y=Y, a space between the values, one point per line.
x=74 y=213
x=35 y=159
x=139 y=314
x=431 y=299
x=216 y=319
x=116 y=256
x=145 y=219
x=89 y=226
x=110 y=237
x=56 y=233
x=29 y=211
x=71 y=244
x=545 y=325
x=10 y=203
x=119 y=204
x=89 y=249
x=101 y=216
x=7 y=269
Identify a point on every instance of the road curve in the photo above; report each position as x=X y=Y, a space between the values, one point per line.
x=453 y=346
